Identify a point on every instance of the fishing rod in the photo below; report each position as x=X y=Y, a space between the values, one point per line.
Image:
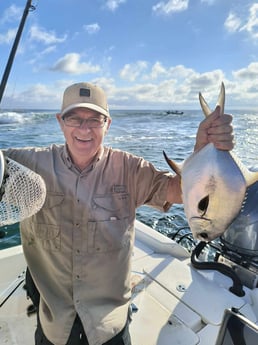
x=29 y=7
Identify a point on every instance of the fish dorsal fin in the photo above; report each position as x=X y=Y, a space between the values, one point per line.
x=221 y=102
x=175 y=167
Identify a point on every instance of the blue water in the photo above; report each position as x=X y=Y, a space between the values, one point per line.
x=144 y=133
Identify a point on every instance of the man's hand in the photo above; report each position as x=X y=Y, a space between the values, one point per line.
x=216 y=129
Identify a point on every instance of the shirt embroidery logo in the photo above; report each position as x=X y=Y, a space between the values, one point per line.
x=117 y=188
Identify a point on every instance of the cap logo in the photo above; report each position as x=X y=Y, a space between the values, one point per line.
x=84 y=92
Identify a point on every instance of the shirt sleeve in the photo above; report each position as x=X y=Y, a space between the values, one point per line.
x=151 y=186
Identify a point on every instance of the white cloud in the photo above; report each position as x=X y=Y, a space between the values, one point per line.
x=71 y=64
x=92 y=28
x=41 y=35
x=11 y=14
x=114 y=4
x=170 y=6
x=248 y=73
x=233 y=22
x=252 y=24
x=8 y=37
x=131 y=71
x=157 y=70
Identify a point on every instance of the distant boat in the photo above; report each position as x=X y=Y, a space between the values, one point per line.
x=177 y=112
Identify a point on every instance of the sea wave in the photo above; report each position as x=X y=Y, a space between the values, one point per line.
x=11 y=117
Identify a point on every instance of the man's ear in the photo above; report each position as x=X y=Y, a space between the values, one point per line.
x=60 y=121
x=109 y=120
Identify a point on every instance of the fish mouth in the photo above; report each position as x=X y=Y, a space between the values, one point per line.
x=199 y=226
x=201 y=218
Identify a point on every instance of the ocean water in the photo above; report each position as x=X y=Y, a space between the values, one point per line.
x=144 y=133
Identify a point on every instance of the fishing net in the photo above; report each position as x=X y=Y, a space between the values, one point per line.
x=22 y=192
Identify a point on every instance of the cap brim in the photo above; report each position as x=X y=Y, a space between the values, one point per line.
x=86 y=105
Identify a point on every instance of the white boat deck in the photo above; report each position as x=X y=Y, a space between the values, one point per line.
x=173 y=303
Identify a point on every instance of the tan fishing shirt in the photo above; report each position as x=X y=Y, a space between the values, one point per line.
x=79 y=245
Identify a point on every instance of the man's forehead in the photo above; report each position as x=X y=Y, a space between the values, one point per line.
x=82 y=111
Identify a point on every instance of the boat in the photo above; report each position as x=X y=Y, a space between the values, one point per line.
x=172 y=301
x=178 y=296
x=176 y=112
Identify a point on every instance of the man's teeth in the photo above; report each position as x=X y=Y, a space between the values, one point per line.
x=81 y=139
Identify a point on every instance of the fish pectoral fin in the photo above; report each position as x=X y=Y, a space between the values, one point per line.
x=251 y=177
x=221 y=102
x=172 y=164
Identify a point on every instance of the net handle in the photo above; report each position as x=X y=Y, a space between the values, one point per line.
x=2 y=168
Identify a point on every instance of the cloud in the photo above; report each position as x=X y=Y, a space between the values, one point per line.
x=252 y=24
x=8 y=37
x=248 y=73
x=235 y=23
x=131 y=71
x=11 y=14
x=71 y=64
x=92 y=28
x=41 y=35
x=157 y=70
x=170 y=6
x=114 y=4
x=232 y=23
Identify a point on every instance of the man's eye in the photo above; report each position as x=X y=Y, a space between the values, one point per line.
x=95 y=120
x=74 y=119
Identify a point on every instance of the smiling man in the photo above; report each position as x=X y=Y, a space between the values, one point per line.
x=79 y=245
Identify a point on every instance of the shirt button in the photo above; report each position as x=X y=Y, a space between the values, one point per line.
x=77 y=225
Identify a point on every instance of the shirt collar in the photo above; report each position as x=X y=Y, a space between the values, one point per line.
x=69 y=163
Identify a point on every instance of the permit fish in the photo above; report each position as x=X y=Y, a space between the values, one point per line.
x=214 y=184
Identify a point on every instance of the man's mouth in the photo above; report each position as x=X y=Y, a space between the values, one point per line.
x=83 y=140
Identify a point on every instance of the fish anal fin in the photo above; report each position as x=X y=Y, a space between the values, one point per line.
x=172 y=164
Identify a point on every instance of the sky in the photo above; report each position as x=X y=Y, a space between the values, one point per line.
x=146 y=54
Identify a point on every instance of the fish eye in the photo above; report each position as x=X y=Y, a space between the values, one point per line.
x=203 y=204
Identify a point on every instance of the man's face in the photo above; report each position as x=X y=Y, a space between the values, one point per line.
x=84 y=138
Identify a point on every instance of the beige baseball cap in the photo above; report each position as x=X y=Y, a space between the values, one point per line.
x=85 y=95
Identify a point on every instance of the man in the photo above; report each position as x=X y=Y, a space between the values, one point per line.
x=78 y=246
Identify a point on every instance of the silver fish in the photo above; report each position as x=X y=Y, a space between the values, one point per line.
x=214 y=184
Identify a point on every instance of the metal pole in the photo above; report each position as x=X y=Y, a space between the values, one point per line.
x=14 y=48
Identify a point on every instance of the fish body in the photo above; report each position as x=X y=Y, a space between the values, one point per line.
x=214 y=184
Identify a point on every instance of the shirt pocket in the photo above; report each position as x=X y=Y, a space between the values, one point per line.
x=108 y=236
x=110 y=229
x=47 y=222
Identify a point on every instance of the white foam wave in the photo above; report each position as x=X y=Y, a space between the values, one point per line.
x=11 y=117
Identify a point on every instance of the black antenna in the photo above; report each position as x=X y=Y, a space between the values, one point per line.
x=8 y=67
